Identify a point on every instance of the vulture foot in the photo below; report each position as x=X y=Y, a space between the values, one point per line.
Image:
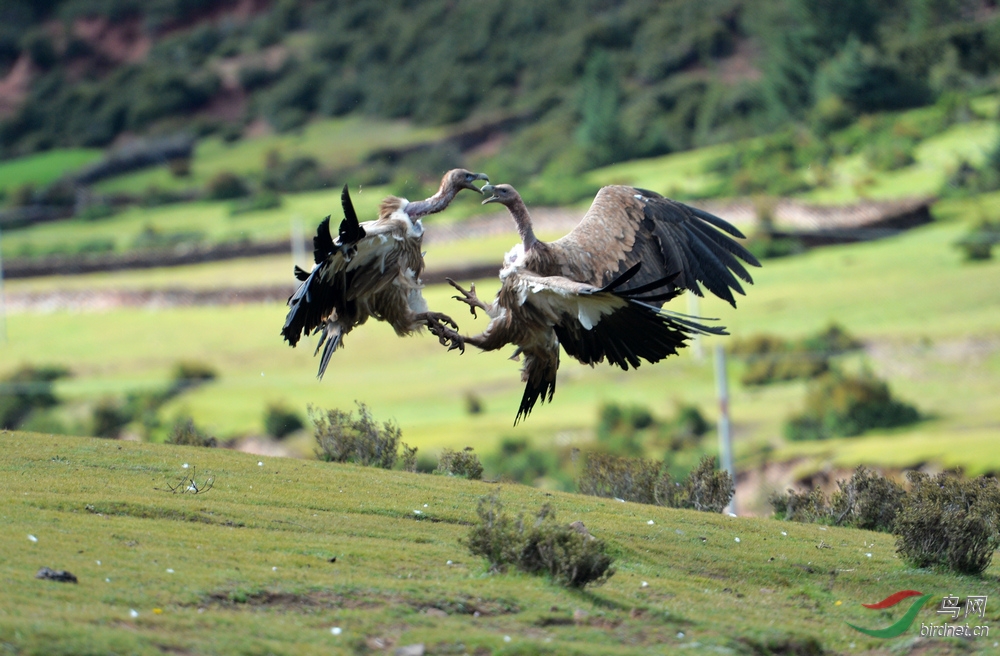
x=444 y=328
x=469 y=297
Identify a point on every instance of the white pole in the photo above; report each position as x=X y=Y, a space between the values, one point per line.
x=298 y=243
x=725 y=435
x=3 y=300
x=697 y=346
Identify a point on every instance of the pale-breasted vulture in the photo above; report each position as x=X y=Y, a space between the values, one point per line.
x=599 y=290
x=371 y=269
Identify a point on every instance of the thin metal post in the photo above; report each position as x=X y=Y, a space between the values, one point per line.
x=725 y=433
x=697 y=346
x=298 y=243
x=3 y=299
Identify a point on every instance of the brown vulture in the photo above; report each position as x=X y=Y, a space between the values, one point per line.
x=599 y=290
x=371 y=269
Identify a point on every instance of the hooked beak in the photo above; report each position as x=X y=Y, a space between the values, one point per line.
x=478 y=176
x=488 y=189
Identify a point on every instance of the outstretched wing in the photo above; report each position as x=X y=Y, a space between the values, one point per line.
x=625 y=226
x=362 y=260
x=618 y=322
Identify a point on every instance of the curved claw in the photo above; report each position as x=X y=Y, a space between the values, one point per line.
x=468 y=297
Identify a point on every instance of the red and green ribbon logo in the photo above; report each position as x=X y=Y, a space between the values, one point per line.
x=904 y=622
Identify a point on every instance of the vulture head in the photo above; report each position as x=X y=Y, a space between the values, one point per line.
x=501 y=193
x=459 y=179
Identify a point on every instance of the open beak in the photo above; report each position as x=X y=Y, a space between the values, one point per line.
x=488 y=189
x=479 y=176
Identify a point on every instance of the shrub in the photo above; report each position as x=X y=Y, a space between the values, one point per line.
x=771 y=359
x=280 y=421
x=868 y=501
x=109 y=417
x=840 y=405
x=707 y=489
x=567 y=553
x=342 y=437
x=27 y=389
x=226 y=185
x=807 y=507
x=409 y=457
x=464 y=463
x=516 y=460
x=978 y=243
x=185 y=433
x=191 y=373
x=647 y=481
x=949 y=521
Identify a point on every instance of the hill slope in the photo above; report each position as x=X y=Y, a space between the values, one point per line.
x=247 y=567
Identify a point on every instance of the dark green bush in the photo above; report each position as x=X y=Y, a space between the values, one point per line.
x=978 y=243
x=841 y=405
x=771 y=359
x=646 y=481
x=259 y=202
x=517 y=460
x=808 y=507
x=185 y=433
x=342 y=437
x=868 y=501
x=153 y=238
x=191 y=373
x=948 y=521
x=566 y=553
x=226 y=185
x=109 y=417
x=280 y=421
x=25 y=390
x=464 y=463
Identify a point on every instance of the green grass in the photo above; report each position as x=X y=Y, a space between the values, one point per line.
x=911 y=294
x=245 y=568
x=336 y=143
x=44 y=168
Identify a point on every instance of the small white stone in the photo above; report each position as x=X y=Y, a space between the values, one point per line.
x=680 y=634
x=98 y=562
x=262 y=373
x=260 y=464
x=133 y=612
x=335 y=630
x=274 y=569
x=732 y=514
x=621 y=500
x=650 y=522
x=32 y=538
x=506 y=638
x=737 y=539
x=869 y=555
x=185 y=466
x=449 y=562
x=170 y=570
x=418 y=512
x=107 y=580
x=644 y=584
x=784 y=532
x=425 y=505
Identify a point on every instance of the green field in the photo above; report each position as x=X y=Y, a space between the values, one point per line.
x=245 y=568
x=931 y=320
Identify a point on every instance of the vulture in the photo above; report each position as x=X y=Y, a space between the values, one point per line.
x=599 y=290
x=371 y=269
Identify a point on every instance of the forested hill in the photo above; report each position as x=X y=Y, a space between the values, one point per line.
x=579 y=83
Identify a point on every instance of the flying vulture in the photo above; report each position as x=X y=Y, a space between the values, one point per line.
x=371 y=269
x=599 y=290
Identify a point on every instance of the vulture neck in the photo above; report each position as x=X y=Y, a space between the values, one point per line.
x=523 y=220
x=434 y=204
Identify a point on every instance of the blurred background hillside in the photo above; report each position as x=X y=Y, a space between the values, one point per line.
x=157 y=157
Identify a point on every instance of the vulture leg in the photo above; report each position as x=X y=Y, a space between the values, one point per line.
x=444 y=328
x=469 y=297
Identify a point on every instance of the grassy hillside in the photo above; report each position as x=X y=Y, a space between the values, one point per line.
x=929 y=316
x=247 y=567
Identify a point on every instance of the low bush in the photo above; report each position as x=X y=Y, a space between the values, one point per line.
x=978 y=243
x=464 y=463
x=226 y=186
x=188 y=374
x=771 y=359
x=647 y=481
x=568 y=554
x=867 y=501
x=185 y=433
x=280 y=421
x=25 y=390
x=109 y=417
x=259 y=202
x=343 y=437
x=949 y=521
x=518 y=461
x=842 y=405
